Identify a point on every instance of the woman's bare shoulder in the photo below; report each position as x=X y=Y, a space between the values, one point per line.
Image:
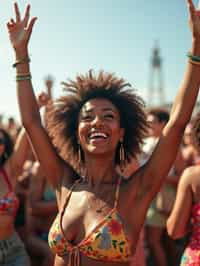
x=190 y=176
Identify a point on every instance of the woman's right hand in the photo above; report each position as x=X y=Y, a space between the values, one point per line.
x=20 y=29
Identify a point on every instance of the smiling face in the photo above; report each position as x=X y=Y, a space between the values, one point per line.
x=99 y=130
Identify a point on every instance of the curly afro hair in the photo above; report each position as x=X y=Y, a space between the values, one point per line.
x=62 y=115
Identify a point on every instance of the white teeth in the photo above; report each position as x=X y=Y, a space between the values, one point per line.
x=97 y=135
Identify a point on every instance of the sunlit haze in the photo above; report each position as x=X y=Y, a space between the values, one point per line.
x=72 y=37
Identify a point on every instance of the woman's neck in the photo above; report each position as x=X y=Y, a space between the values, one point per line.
x=99 y=172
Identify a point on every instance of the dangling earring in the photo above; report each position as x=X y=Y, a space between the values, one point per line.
x=80 y=162
x=79 y=155
x=121 y=157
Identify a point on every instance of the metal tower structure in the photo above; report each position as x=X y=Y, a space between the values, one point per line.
x=156 y=88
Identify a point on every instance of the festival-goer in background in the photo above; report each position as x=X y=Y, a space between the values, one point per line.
x=155 y=221
x=23 y=184
x=49 y=82
x=42 y=210
x=98 y=123
x=185 y=215
x=187 y=136
x=12 y=128
x=190 y=151
x=22 y=191
x=42 y=205
x=1 y=121
x=12 y=250
x=156 y=217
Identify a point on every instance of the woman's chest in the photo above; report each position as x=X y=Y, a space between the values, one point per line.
x=86 y=212
x=82 y=213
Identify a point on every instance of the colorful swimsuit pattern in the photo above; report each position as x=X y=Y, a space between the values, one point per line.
x=191 y=255
x=107 y=242
x=9 y=203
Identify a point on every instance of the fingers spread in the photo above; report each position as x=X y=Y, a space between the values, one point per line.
x=30 y=26
x=191 y=8
x=191 y=4
x=27 y=15
x=17 y=13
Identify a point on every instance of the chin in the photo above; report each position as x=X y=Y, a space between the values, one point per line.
x=99 y=151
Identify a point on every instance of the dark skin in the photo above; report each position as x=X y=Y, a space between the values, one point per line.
x=40 y=216
x=138 y=192
x=40 y=213
x=188 y=194
x=13 y=167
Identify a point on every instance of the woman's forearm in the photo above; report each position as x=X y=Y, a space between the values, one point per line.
x=187 y=95
x=27 y=101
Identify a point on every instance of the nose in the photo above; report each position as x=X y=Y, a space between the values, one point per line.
x=98 y=121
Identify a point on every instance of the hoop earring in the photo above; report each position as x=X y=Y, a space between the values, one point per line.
x=122 y=160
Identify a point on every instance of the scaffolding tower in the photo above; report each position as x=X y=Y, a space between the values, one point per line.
x=156 y=87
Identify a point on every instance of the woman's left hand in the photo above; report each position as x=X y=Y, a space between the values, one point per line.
x=194 y=20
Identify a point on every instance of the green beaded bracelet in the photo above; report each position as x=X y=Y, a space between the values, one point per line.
x=23 y=77
x=194 y=58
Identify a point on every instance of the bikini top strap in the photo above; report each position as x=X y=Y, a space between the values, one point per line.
x=5 y=176
x=117 y=191
x=66 y=202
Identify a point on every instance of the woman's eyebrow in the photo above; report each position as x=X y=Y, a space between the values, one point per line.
x=103 y=109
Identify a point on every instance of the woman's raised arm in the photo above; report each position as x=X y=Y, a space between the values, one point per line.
x=20 y=31
x=156 y=169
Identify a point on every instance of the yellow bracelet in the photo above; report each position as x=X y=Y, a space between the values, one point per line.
x=23 y=74
x=194 y=62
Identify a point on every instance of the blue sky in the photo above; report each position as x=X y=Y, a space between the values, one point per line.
x=72 y=37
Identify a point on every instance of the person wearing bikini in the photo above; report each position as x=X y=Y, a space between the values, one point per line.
x=185 y=216
x=12 y=250
x=97 y=124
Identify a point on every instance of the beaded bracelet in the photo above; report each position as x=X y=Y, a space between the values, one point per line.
x=193 y=58
x=23 y=77
x=22 y=61
x=23 y=74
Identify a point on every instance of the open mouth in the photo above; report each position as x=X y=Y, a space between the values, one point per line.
x=95 y=136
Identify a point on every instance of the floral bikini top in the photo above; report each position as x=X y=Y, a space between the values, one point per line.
x=106 y=242
x=195 y=236
x=9 y=203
